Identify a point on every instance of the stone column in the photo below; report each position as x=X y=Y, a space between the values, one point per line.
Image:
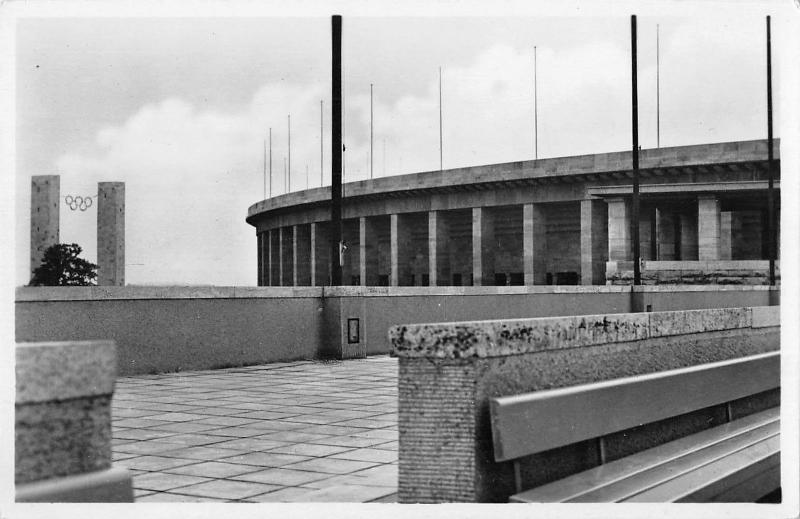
x=111 y=233
x=275 y=257
x=665 y=230
x=368 y=252
x=619 y=230
x=45 y=193
x=287 y=256
x=708 y=228
x=400 y=250
x=438 y=259
x=260 y=259
x=483 y=245
x=302 y=255
x=320 y=252
x=725 y=229
x=688 y=226
x=594 y=242
x=534 y=244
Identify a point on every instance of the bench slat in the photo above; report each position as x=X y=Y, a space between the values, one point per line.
x=703 y=484
x=539 y=421
x=573 y=487
x=661 y=474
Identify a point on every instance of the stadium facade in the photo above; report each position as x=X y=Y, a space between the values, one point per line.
x=555 y=221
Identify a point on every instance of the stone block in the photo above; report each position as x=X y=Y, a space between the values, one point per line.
x=63 y=422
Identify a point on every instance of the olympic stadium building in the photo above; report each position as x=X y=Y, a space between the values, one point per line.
x=557 y=221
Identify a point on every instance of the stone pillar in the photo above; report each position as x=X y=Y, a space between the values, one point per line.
x=534 y=244
x=45 y=197
x=287 y=256
x=400 y=250
x=111 y=233
x=665 y=230
x=594 y=242
x=725 y=228
x=275 y=257
x=265 y=254
x=619 y=230
x=708 y=228
x=483 y=246
x=320 y=252
x=260 y=259
x=438 y=259
x=63 y=424
x=302 y=255
x=688 y=227
x=368 y=252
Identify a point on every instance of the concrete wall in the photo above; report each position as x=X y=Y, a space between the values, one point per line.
x=177 y=328
x=450 y=371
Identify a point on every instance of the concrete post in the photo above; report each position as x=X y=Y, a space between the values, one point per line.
x=483 y=245
x=725 y=233
x=534 y=244
x=302 y=255
x=274 y=258
x=287 y=256
x=400 y=250
x=267 y=257
x=368 y=251
x=260 y=259
x=438 y=238
x=665 y=230
x=594 y=242
x=708 y=228
x=688 y=226
x=45 y=197
x=320 y=250
x=619 y=230
x=111 y=233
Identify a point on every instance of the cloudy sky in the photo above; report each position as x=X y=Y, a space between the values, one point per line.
x=178 y=108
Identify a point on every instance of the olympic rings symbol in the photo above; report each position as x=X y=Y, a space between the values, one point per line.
x=78 y=202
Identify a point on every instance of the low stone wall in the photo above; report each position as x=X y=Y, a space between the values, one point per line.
x=723 y=272
x=63 y=424
x=163 y=329
x=449 y=371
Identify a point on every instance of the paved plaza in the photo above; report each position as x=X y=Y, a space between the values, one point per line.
x=303 y=431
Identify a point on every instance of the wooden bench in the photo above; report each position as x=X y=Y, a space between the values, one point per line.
x=738 y=461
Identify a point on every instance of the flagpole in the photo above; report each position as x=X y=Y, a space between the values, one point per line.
x=265 y=168
x=535 y=109
x=321 y=163
x=658 y=90
x=370 y=130
x=440 y=120
x=289 y=168
x=270 y=162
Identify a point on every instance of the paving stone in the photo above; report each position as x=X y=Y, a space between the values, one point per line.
x=331 y=466
x=202 y=453
x=251 y=444
x=185 y=427
x=156 y=463
x=347 y=494
x=309 y=449
x=282 y=476
x=228 y=489
x=266 y=459
x=140 y=434
x=284 y=495
x=146 y=447
x=161 y=481
x=376 y=455
x=212 y=469
x=164 y=497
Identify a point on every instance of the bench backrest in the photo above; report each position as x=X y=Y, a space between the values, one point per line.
x=535 y=422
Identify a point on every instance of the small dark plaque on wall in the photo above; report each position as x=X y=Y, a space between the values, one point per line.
x=353 y=331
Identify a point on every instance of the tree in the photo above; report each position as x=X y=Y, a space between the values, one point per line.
x=61 y=266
